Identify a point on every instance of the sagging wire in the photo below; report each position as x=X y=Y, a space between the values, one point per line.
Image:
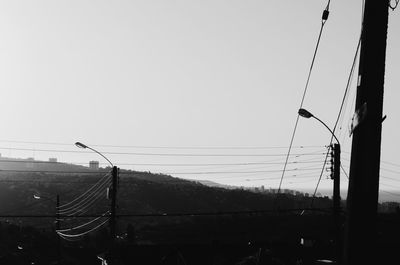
x=79 y=197
x=324 y=18
x=83 y=225
x=85 y=208
x=74 y=237
x=343 y=100
x=94 y=194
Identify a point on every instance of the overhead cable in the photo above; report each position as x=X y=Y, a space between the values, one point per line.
x=155 y=154
x=84 y=208
x=93 y=197
x=162 y=147
x=83 y=225
x=343 y=101
x=325 y=15
x=89 y=190
x=83 y=233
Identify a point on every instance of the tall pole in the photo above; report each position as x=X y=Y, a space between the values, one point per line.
x=57 y=212
x=336 y=180
x=113 y=202
x=336 y=186
x=336 y=202
x=58 y=227
x=361 y=226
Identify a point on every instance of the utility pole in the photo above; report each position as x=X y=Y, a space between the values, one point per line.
x=336 y=203
x=361 y=225
x=115 y=172
x=57 y=212
x=58 y=227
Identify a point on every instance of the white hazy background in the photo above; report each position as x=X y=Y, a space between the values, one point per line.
x=177 y=74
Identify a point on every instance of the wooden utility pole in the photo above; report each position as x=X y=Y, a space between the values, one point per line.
x=362 y=199
x=336 y=203
x=58 y=227
x=57 y=212
x=113 y=202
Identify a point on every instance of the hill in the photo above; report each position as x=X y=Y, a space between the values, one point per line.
x=139 y=193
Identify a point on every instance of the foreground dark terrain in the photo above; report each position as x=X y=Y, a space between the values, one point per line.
x=245 y=240
x=164 y=220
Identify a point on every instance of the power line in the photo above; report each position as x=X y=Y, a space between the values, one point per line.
x=389 y=178
x=132 y=172
x=344 y=171
x=85 y=207
x=51 y=171
x=390 y=186
x=390 y=170
x=391 y=193
x=85 y=203
x=384 y=168
x=391 y=163
x=164 y=147
x=83 y=225
x=156 y=154
x=163 y=164
x=342 y=104
x=320 y=177
x=232 y=172
x=45 y=181
x=191 y=214
x=61 y=207
x=325 y=15
x=291 y=176
x=270 y=177
x=69 y=236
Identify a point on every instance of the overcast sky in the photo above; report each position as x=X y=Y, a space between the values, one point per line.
x=187 y=74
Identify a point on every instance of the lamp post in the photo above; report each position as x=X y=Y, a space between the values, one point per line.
x=57 y=202
x=115 y=171
x=83 y=146
x=336 y=184
x=39 y=197
x=306 y=114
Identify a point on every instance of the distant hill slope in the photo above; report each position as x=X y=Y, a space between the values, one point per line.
x=138 y=193
x=215 y=184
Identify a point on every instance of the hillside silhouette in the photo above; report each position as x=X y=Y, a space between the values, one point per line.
x=160 y=216
x=138 y=192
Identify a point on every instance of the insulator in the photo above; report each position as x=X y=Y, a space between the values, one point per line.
x=325 y=15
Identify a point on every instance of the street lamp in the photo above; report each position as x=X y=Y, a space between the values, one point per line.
x=336 y=181
x=113 y=189
x=306 y=114
x=58 y=226
x=83 y=146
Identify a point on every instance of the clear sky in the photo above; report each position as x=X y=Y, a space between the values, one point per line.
x=187 y=74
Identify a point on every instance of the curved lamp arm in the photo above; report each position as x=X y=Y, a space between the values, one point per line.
x=81 y=145
x=306 y=114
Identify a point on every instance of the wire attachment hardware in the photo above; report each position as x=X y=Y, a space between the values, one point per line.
x=325 y=15
x=393 y=6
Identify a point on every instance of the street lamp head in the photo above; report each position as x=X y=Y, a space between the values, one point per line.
x=37 y=197
x=81 y=145
x=305 y=113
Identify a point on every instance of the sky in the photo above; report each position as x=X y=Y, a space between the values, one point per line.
x=183 y=83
